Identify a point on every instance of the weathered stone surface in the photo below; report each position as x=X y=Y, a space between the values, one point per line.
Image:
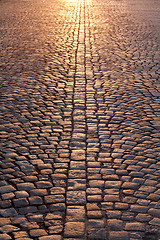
x=77 y=184
x=21 y=194
x=113 y=214
x=35 y=200
x=9 y=212
x=76 y=197
x=154 y=212
x=130 y=185
x=78 y=155
x=38 y=192
x=5 y=236
x=115 y=225
x=4 y=221
x=118 y=235
x=20 y=234
x=96 y=183
x=9 y=228
x=25 y=186
x=20 y=202
x=44 y=184
x=51 y=237
x=155 y=221
x=29 y=225
x=143 y=217
x=54 y=199
x=33 y=217
x=97 y=233
x=37 y=232
x=72 y=229
x=55 y=229
x=139 y=208
x=75 y=214
x=112 y=184
x=121 y=206
x=7 y=189
x=135 y=226
x=96 y=223
x=94 y=214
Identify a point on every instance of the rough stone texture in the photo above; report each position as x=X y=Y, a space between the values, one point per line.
x=72 y=229
x=135 y=226
x=5 y=236
x=118 y=235
x=9 y=229
x=79 y=121
x=75 y=214
x=76 y=197
x=37 y=232
x=51 y=237
x=97 y=233
x=115 y=225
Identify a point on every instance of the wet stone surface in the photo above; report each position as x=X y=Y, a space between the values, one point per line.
x=80 y=120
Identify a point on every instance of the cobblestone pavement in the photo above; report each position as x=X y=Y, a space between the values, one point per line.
x=80 y=124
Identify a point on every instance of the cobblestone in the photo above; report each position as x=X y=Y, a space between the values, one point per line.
x=79 y=121
x=37 y=232
x=135 y=226
x=75 y=214
x=118 y=235
x=72 y=229
x=76 y=197
x=5 y=236
x=115 y=225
